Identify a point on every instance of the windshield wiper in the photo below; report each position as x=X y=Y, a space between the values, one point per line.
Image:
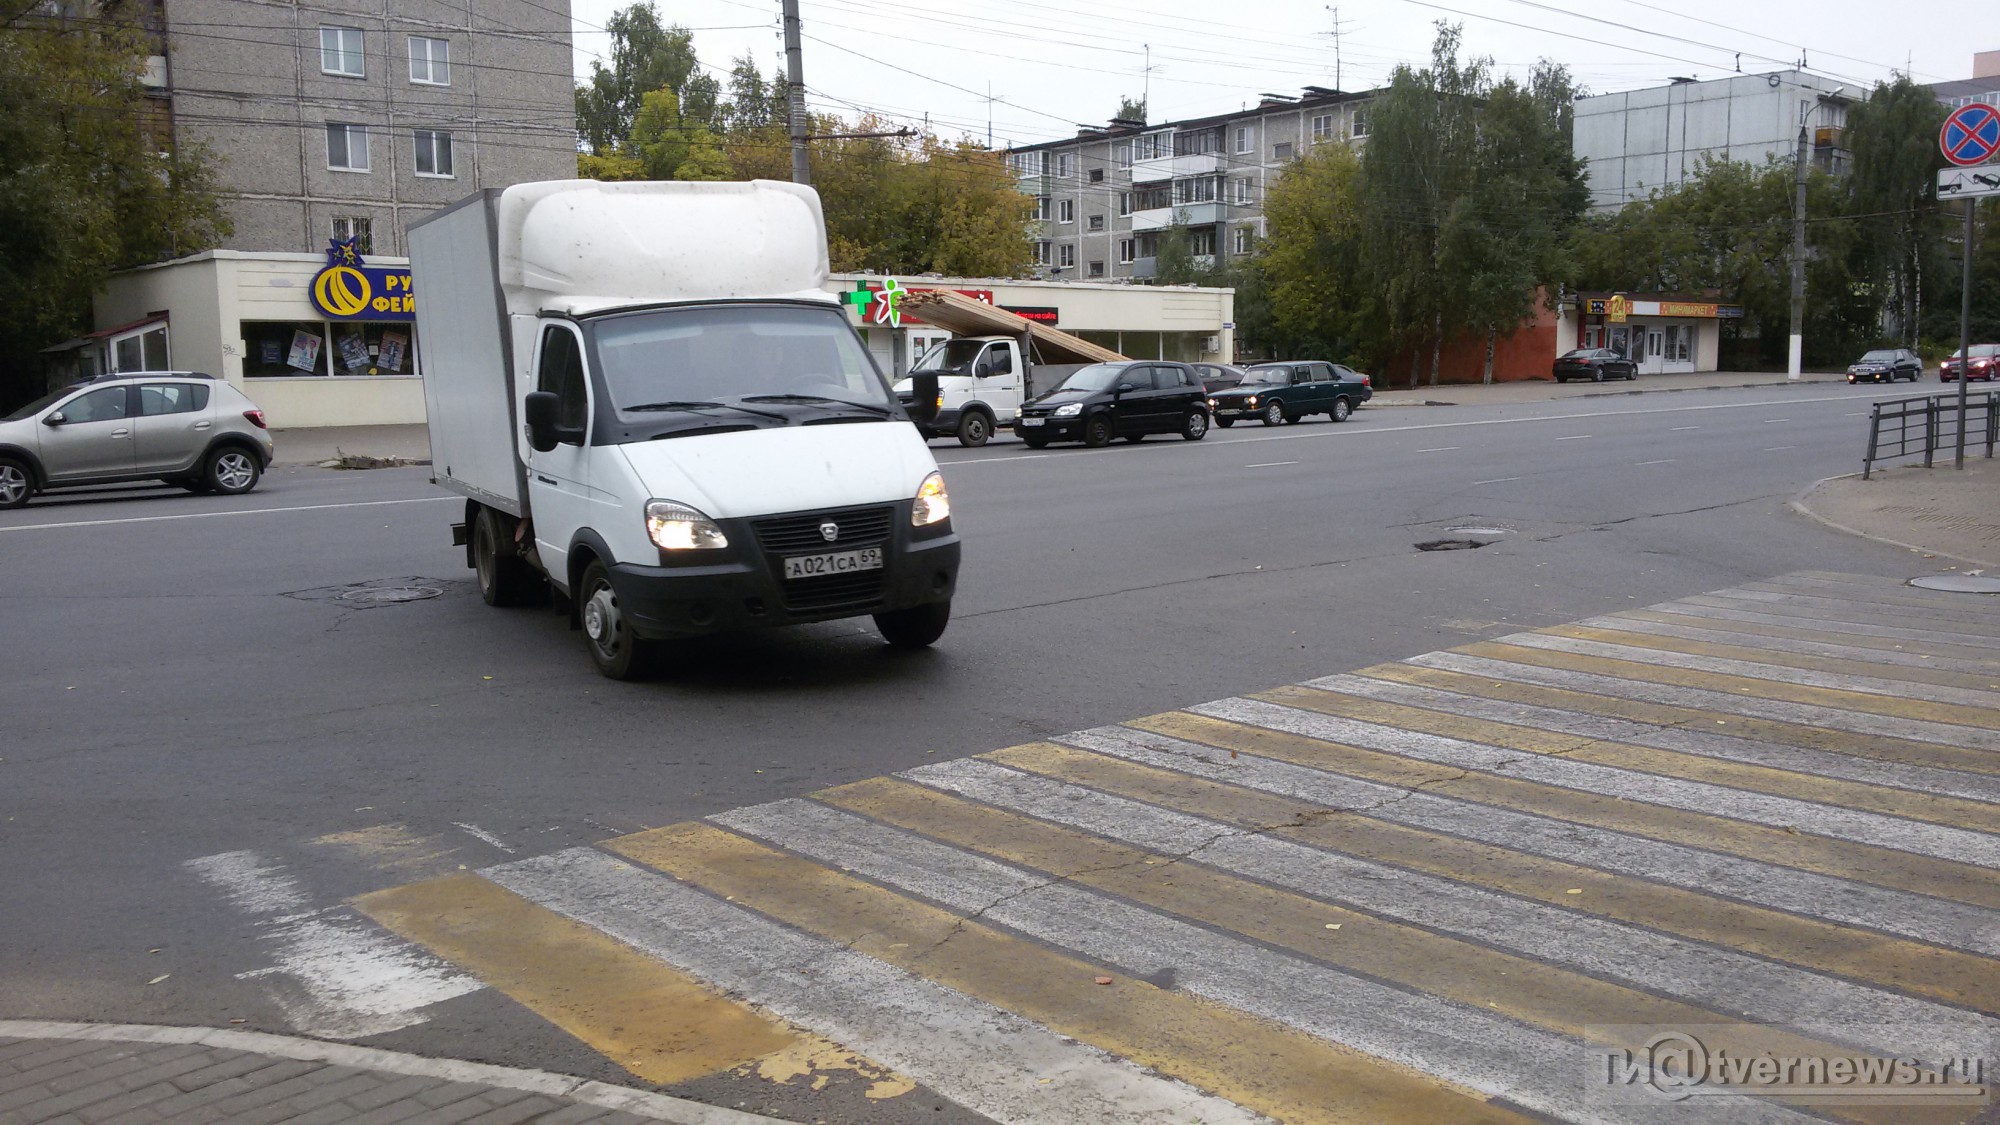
x=695 y=405
x=869 y=407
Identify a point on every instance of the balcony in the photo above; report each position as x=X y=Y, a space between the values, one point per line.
x=1170 y=167
x=1197 y=215
x=1145 y=267
x=1034 y=185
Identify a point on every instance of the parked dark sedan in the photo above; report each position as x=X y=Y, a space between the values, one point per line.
x=1594 y=364
x=1105 y=400
x=1886 y=365
x=1287 y=392
x=1217 y=376
x=1985 y=364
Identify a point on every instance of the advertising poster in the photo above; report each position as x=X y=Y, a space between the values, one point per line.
x=305 y=351
x=391 y=356
x=353 y=350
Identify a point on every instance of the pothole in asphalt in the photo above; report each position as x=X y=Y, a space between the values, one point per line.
x=1450 y=545
x=1958 y=583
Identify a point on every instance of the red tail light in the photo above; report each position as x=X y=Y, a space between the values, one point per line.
x=1366 y=381
x=256 y=418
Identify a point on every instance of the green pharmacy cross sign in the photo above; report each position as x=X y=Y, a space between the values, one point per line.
x=879 y=306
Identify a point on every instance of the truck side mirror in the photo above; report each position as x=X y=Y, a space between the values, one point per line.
x=983 y=369
x=543 y=409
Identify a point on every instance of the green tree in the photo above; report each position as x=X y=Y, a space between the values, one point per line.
x=1899 y=228
x=1174 y=261
x=670 y=146
x=1131 y=109
x=754 y=103
x=646 y=55
x=1307 y=276
x=91 y=180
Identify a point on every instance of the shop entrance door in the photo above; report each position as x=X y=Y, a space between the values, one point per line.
x=1656 y=351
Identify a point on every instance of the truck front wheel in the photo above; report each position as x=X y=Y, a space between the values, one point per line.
x=617 y=651
x=916 y=627
x=974 y=427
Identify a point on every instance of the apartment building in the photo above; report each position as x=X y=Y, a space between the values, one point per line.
x=332 y=122
x=1104 y=197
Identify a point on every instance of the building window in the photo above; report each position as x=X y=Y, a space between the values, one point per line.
x=1097 y=222
x=1066 y=256
x=433 y=153
x=1065 y=210
x=1097 y=175
x=1125 y=251
x=1042 y=208
x=1243 y=190
x=1242 y=139
x=1155 y=145
x=1282 y=152
x=1042 y=253
x=360 y=228
x=430 y=61
x=1065 y=164
x=1244 y=237
x=347 y=148
x=1097 y=269
x=1201 y=240
x=1199 y=189
x=1122 y=153
x=1360 y=122
x=1124 y=203
x=340 y=52
x=1147 y=244
x=1322 y=127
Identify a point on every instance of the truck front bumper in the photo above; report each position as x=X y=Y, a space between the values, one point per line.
x=750 y=592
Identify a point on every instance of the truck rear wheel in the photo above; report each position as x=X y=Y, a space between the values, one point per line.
x=916 y=627
x=617 y=651
x=974 y=427
x=505 y=578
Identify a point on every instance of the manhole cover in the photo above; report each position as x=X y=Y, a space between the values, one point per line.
x=1481 y=531
x=1958 y=583
x=389 y=595
x=1450 y=545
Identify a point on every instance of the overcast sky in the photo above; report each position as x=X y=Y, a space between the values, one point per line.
x=1055 y=63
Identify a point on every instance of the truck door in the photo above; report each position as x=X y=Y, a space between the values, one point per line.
x=559 y=493
x=999 y=383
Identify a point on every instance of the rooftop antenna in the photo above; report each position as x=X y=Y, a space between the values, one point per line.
x=1146 y=87
x=989 y=115
x=1335 y=9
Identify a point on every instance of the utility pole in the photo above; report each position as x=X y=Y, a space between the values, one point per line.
x=1792 y=368
x=1965 y=333
x=795 y=94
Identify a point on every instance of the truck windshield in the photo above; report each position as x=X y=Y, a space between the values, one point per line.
x=796 y=355
x=953 y=357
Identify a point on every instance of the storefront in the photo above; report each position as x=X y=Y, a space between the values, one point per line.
x=1662 y=333
x=330 y=339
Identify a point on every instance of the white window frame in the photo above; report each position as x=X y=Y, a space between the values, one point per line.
x=1065 y=165
x=1197 y=236
x=1126 y=248
x=1124 y=203
x=1066 y=255
x=1042 y=252
x=1121 y=153
x=1283 y=150
x=1243 y=190
x=1065 y=211
x=436 y=59
x=1245 y=137
x=340 y=53
x=1243 y=236
x=345 y=226
x=439 y=143
x=1322 y=127
x=1096 y=223
x=1043 y=208
x=348 y=135
x=1360 y=122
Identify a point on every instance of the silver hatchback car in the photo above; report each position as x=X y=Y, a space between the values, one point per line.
x=182 y=427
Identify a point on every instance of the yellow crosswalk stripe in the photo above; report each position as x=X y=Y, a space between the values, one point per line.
x=1889 y=706
x=1947 y=975
x=1907 y=751
x=1277 y=1071
x=655 y=1021
x=1775 y=656
x=1931 y=807
x=1842 y=858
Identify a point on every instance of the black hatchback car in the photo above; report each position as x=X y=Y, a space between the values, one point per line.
x=1130 y=400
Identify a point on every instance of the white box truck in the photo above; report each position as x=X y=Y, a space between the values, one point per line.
x=653 y=409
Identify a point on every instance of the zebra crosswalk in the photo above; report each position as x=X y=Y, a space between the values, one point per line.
x=1444 y=889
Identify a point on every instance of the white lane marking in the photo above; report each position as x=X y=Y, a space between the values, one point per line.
x=343 y=977
x=1680 y=740
x=987 y=1059
x=1768 y=421
x=1357 y=431
x=1779 y=448
x=1270 y=464
x=1452 y=1041
x=1439 y=449
x=1957 y=845
x=1721 y=979
x=237 y=512
x=1702 y=699
x=1750 y=669
x=1667 y=461
x=1576 y=437
x=1495 y=480
x=1859 y=414
x=482 y=835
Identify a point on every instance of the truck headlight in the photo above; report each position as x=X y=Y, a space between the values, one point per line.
x=673 y=526
x=1068 y=410
x=933 y=504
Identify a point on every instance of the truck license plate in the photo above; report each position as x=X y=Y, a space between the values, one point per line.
x=836 y=562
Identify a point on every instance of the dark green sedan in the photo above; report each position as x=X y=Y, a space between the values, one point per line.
x=1287 y=392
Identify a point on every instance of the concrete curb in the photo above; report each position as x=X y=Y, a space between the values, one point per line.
x=1798 y=504
x=641 y=1103
x=1591 y=394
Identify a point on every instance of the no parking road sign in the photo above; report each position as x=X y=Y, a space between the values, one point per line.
x=1971 y=135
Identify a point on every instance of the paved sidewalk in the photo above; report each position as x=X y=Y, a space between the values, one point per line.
x=1941 y=511
x=1389 y=391
x=138 y=1075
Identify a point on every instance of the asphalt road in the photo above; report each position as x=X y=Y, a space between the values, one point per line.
x=183 y=680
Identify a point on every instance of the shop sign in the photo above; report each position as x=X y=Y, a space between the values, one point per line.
x=1040 y=314
x=1617 y=307
x=880 y=302
x=348 y=288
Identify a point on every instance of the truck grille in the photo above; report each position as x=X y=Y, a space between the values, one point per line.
x=799 y=534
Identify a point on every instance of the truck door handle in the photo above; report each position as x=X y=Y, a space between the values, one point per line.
x=544 y=480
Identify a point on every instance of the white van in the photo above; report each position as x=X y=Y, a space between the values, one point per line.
x=652 y=406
